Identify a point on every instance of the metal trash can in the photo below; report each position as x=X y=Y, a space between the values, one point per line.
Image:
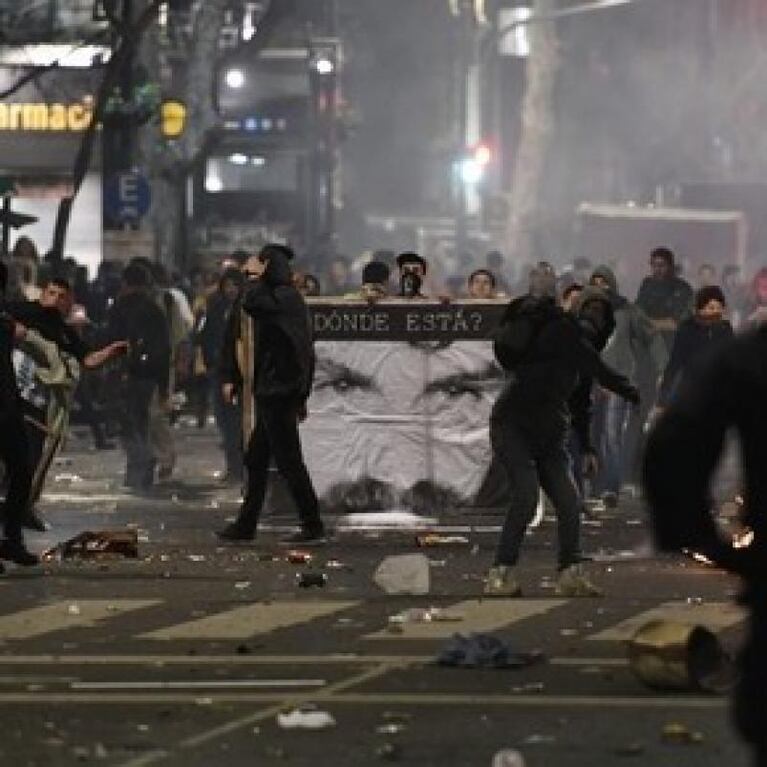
x=667 y=655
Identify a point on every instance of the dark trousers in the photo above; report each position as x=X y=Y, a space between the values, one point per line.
x=137 y=397
x=229 y=422
x=14 y=453
x=634 y=436
x=532 y=463
x=612 y=413
x=751 y=691
x=276 y=437
x=197 y=388
x=85 y=396
x=575 y=455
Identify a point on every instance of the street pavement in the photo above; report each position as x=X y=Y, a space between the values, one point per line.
x=187 y=655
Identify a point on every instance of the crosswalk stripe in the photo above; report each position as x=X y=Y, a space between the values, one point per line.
x=73 y=613
x=715 y=616
x=248 y=621
x=475 y=616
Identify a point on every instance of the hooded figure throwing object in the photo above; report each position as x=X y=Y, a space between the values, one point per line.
x=545 y=353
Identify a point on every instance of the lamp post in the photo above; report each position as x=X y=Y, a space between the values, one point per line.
x=465 y=9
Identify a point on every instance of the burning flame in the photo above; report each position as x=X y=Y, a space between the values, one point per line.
x=743 y=539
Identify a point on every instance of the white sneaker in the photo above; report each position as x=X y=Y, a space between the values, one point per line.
x=500 y=582
x=572 y=582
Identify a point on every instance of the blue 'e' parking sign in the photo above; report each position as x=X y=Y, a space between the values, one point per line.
x=127 y=196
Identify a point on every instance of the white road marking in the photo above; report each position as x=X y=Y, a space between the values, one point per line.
x=715 y=616
x=206 y=684
x=477 y=616
x=86 y=497
x=248 y=621
x=66 y=614
x=260 y=660
x=278 y=702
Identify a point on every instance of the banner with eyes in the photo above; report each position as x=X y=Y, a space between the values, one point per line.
x=401 y=425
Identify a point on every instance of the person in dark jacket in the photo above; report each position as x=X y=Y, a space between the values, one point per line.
x=529 y=426
x=665 y=298
x=284 y=370
x=136 y=317
x=637 y=350
x=726 y=390
x=697 y=335
x=14 y=452
x=209 y=336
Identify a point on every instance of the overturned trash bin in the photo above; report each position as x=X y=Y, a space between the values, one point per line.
x=96 y=545
x=668 y=655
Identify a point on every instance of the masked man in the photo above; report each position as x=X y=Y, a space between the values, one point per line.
x=283 y=374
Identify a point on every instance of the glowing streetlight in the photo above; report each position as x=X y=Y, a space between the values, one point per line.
x=324 y=66
x=235 y=78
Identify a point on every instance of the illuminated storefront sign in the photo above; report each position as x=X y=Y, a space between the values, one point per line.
x=58 y=118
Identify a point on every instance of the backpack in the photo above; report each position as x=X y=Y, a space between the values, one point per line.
x=514 y=338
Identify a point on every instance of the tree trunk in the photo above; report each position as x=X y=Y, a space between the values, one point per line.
x=537 y=129
x=171 y=168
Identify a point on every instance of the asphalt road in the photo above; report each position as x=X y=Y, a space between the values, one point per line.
x=187 y=655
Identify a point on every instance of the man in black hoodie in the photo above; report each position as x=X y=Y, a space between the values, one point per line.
x=284 y=369
x=13 y=442
x=530 y=421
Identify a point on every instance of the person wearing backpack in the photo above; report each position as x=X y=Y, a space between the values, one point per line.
x=136 y=317
x=545 y=353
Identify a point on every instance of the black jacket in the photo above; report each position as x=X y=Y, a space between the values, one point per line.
x=726 y=390
x=10 y=402
x=672 y=297
x=663 y=298
x=284 y=358
x=693 y=339
x=539 y=389
x=211 y=328
x=135 y=316
x=50 y=324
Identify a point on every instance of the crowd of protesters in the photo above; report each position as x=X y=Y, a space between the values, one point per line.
x=174 y=335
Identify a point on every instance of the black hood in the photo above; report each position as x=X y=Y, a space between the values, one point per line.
x=598 y=333
x=608 y=275
x=278 y=270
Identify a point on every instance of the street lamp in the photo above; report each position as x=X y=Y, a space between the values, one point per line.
x=324 y=66
x=470 y=171
x=235 y=78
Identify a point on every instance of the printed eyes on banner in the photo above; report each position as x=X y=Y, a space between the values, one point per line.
x=473 y=384
x=341 y=379
x=455 y=387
